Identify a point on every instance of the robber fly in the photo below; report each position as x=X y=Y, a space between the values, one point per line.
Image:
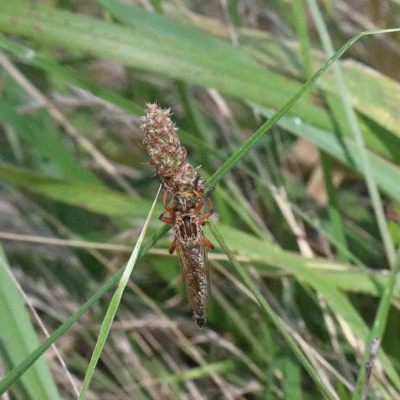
x=191 y=246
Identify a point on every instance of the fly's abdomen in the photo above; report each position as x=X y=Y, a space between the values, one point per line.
x=197 y=281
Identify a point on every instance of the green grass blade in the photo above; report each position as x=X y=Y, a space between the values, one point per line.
x=199 y=372
x=379 y=325
x=272 y=316
x=95 y=198
x=333 y=207
x=302 y=35
x=19 y=337
x=43 y=137
x=7 y=364
x=40 y=60
x=113 y=307
x=352 y=118
x=20 y=369
x=292 y=384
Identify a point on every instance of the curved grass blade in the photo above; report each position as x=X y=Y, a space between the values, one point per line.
x=112 y=309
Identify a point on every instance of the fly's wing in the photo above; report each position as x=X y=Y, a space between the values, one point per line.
x=194 y=267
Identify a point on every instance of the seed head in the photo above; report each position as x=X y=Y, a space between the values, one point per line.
x=162 y=142
x=168 y=155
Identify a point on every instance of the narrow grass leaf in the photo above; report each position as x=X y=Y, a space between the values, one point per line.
x=302 y=35
x=292 y=380
x=199 y=372
x=47 y=147
x=20 y=369
x=18 y=336
x=333 y=208
x=113 y=307
x=352 y=118
x=378 y=327
x=94 y=198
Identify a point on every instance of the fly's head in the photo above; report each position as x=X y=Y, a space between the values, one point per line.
x=187 y=200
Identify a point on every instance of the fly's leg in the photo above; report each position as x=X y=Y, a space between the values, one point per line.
x=173 y=247
x=206 y=243
x=203 y=217
x=210 y=205
x=197 y=209
x=167 y=220
x=171 y=220
x=169 y=210
x=164 y=198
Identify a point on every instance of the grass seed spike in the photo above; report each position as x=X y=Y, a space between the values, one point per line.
x=184 y=196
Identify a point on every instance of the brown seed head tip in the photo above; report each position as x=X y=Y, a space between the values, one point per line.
x=167 y=154
x=162 y=142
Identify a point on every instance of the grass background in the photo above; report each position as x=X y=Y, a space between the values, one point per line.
x=300 y=207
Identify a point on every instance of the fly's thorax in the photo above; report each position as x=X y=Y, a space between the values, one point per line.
x=188 y=230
